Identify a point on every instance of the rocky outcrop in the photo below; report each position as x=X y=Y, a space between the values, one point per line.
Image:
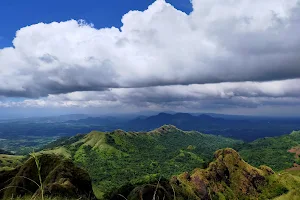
x=227 y=177
x=60 y=177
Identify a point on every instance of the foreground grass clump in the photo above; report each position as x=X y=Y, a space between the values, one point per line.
x=44 y=176
x=46 y=198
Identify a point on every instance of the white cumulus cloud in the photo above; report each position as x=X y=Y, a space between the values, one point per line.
x=220 y=41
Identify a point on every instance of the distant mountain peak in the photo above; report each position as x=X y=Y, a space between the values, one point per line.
x=119 y=132
x=206 y=116
x=163 y=114
x=183 y=114
x=165 y=129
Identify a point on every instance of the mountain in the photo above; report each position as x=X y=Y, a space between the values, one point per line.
x=184 y=120
x=228 y=176
x=277 y=152
x=247 y=129
x=22 y=136
x=114 y=159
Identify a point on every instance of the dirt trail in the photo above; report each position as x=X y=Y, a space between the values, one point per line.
x=296 y=151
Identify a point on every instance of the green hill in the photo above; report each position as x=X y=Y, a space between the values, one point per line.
x=114 y=159
x=277 y=152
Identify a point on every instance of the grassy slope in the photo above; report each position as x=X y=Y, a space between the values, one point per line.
x=45 y=198
x=117 y=158
x=10 y=161
x=272 y=152
x=292 y=182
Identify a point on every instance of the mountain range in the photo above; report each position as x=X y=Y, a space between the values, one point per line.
x=243 y=127
x=165 y=163
x=129 y=161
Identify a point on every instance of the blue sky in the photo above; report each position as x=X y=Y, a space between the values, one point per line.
x=16 y=14
x=188 y=56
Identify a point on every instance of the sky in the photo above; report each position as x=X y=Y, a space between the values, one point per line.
x=222 y=56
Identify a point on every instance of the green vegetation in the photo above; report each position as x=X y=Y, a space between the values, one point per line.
x=292 y=182
x=272 y=152
x=43 y=176
x=119 y=158
x=227 y=177
x=10 y=161
x=24 y=145
x=167 y=161
x=46 y=198
x=40 y=184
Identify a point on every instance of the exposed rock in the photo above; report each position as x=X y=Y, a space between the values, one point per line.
x=227 y=176
x=267 y=170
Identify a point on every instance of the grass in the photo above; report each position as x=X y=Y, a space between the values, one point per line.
x=58 y=151
x=45 y=198
x=8 y=162
x=272 y=152
x=292 y=181
x=38 y=166
x=40 y=184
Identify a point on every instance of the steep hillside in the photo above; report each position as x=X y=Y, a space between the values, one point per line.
x=117 y=158
x=227 y=177
x=277 y=152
